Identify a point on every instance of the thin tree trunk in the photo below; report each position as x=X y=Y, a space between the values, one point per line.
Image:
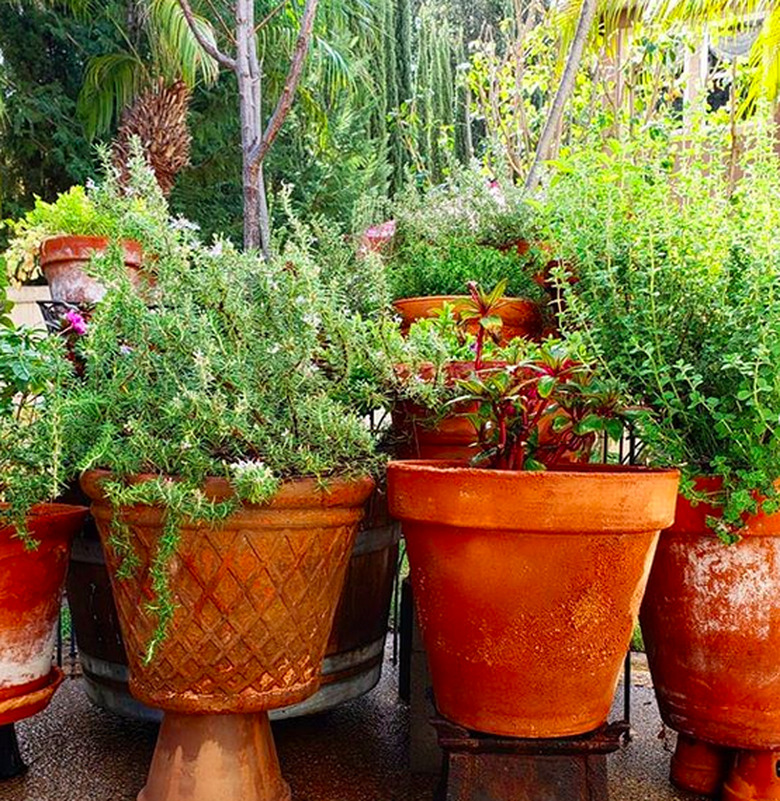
x=584 y=24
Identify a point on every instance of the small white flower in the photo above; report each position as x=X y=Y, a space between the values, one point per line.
x=216 y=248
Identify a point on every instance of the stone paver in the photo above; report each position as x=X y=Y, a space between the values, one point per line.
x=355 y=753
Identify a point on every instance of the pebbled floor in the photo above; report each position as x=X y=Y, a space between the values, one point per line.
x=355 y=753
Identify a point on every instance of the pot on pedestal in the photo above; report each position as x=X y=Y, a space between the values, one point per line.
x=255 y=598
x=711 y=625
x=527 y=586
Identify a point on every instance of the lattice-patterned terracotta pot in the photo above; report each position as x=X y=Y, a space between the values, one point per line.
x=255 y=598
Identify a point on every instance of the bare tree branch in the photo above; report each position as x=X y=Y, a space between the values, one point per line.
x=209 y=47
x=269 y=16
x=283 y=105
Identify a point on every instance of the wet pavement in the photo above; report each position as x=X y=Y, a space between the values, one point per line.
x=357 y=752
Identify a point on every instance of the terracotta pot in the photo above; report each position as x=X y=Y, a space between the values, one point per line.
x=31 y=584
x=521 y=318
x=63 y=262
x=711 y=625
x=527 y=586
x=355 y=650
x=255 y=599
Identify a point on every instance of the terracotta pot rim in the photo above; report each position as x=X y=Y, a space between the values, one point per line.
x=691 y=519
x=596 y=471
x=573 y=499
x=293 y=493
x=513 y=300
x=81 y=247
x=42 y=511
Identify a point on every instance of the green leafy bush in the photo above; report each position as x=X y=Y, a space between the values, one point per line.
x=420 y=268
x=464 y=230
x=679 y=292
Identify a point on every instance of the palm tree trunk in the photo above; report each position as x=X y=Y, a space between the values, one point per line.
x=587 y=15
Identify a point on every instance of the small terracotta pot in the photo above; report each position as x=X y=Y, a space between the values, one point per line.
x=711 y=625
x=255 y=598
x=527 y=586
x=63 y=262
x=520 y=317
x=31 y=584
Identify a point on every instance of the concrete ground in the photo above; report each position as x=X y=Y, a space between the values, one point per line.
x=358 y=752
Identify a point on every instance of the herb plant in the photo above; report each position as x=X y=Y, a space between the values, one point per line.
x=241 y=372
x=107 y=209
x=679 y=294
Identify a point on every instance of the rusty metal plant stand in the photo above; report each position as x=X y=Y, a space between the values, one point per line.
x=11 y=762
x=483 y=767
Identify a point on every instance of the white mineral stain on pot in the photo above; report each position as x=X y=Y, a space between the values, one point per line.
x=26 y=653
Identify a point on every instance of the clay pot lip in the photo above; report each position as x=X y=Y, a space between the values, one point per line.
x=692 y=520
x=60 y=512
x=596 y=471
x=67 y=247
x=508 y=300
x=574 y=499
x=296 y=493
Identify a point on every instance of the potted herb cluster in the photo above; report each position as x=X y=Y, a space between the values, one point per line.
x=469 y=229
x=679 y=292
x=59 y=240
x=35 y=534
x=550 y=561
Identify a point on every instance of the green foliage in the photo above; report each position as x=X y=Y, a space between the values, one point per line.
x=466 y=229
x=32 y=468
x=420 y=268
x=42 y=146
x=679 y=292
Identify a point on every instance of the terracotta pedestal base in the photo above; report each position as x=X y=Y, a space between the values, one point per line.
x=699 y=767
x=213 y=757
x=754 y=777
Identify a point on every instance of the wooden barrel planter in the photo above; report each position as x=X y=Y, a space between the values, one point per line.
x=354 y=656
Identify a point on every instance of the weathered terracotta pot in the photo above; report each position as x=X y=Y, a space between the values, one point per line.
x=255 y=599
x=63 y=262
x=31 y=584
x=527 y=586
x=711 y=625
x=521 y=318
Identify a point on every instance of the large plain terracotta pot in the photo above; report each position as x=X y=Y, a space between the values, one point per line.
x=520 y=317
x=711 y=625
x=63 y=261
x=31 y=584
x=527 y=586
x=255 y=598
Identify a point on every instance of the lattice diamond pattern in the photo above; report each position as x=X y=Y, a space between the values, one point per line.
x=254 y=609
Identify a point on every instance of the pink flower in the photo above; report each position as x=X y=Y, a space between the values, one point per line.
x=76 y=322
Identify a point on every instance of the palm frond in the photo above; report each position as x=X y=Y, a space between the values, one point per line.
x=177 y=51
x=111 y=82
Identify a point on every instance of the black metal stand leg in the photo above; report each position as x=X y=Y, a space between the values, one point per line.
x=11 y=763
